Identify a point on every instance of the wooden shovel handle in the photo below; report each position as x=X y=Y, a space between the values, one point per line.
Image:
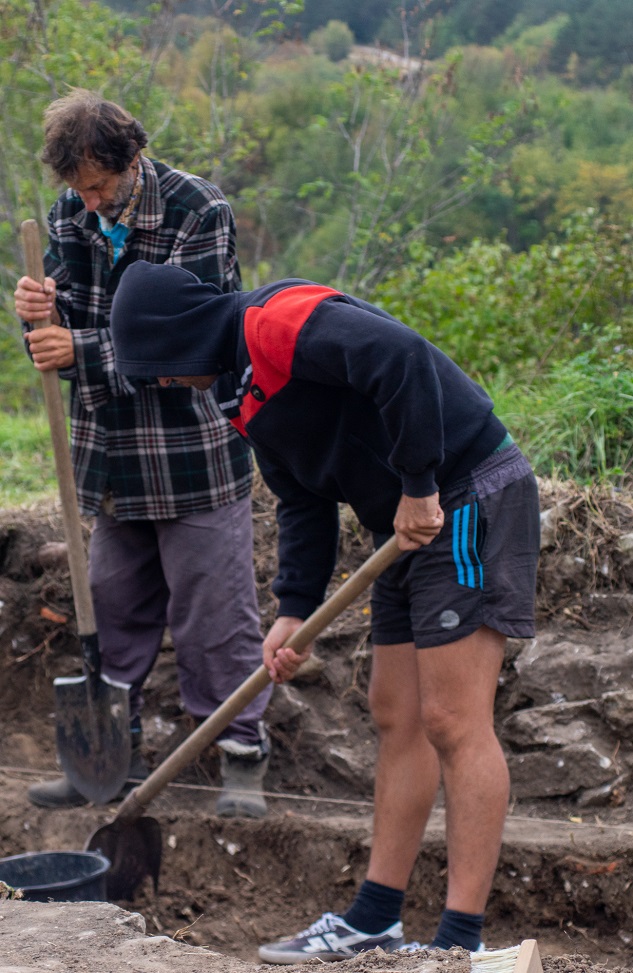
x=77 y=561
x=136 y=802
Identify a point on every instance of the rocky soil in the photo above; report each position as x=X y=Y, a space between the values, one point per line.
x=564 y=715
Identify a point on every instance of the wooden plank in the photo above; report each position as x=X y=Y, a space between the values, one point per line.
x=528 y=960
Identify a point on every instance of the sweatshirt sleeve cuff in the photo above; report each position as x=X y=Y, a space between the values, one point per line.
x=419 y=484
x=296 y=606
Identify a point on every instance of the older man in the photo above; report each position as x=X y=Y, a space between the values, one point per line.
x=168 y=480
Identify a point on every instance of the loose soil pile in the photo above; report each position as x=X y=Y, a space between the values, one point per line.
x=564 y=716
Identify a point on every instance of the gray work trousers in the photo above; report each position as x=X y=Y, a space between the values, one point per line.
x=195 y=574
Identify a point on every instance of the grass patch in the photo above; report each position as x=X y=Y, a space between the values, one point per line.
x=576 y=421
x=26 y=460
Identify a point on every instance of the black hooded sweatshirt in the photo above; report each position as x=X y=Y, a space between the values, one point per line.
x=341 y=402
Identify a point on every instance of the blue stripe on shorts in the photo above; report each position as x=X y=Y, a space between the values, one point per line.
x=470 y=572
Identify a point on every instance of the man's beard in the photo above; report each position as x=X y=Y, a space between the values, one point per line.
x=115 y=207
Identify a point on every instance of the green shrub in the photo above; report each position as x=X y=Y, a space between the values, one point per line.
x=334 y=40
x=494 y=310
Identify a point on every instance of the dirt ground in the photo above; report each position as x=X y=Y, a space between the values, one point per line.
x=564 y=716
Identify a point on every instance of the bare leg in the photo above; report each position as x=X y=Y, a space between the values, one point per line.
x=457 y=689
x=407 y=769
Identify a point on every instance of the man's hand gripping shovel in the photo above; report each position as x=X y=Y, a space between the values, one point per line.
x=92 y=712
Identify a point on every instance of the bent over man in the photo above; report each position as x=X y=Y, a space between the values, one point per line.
x=343 y=403
x=167 y=479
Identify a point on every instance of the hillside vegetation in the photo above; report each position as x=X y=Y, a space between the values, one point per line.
x=478 y=183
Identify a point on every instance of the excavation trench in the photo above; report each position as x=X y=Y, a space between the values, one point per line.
x=564 y=717
x=230 y=885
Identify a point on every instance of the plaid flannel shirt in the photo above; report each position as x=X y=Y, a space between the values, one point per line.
x=160 y=453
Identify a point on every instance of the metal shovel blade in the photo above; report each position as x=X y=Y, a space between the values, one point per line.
x=134 y=849
x=93 y=735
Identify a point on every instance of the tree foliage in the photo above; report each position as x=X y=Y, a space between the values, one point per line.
x=45 y=47
x=376 y=161
x=549 y=332
x=447 y=189
x=334 y=40
x=498 y=312
x=594 y=35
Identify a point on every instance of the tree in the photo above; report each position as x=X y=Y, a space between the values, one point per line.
x=600 y=32
x=363 y=19
x=334 y=40
x=470 y=21
x=378 y=160
x=606 y=188
x=46 y=46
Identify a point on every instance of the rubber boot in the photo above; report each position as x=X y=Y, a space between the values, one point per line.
x=243 y=767
x=60 y=793
x=242 y=784
x=56 y=793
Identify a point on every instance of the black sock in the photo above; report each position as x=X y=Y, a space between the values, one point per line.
x=458 y=929
x=375 y=908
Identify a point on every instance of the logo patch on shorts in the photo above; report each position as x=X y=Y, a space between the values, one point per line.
x=449 y=619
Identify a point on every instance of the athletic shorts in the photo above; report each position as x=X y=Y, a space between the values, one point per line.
x=479 y=570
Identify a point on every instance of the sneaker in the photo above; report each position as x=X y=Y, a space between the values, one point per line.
x=330 y=938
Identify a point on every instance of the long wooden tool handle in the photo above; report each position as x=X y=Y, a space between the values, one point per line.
x=77 y=563
x=136 y=802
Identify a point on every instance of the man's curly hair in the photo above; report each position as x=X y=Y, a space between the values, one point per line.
x=83 y=127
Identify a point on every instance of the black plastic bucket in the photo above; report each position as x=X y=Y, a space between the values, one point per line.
x=64 y=876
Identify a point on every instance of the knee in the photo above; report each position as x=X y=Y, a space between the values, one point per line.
x=445 y=728
x=393 y=713
x=452 y=729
